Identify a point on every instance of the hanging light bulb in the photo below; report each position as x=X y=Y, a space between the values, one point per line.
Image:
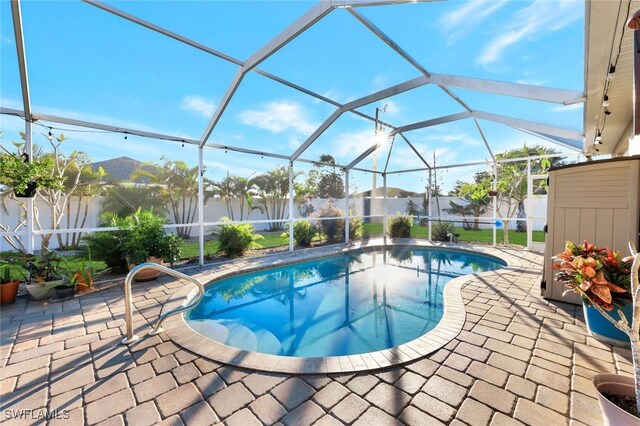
x=605 y=101
x=612 y=72
x=598 y=138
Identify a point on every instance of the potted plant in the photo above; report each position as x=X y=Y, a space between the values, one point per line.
x=11 y=265
x=44 y=274
x=25 y=175
x=606 y=281
x=80 y=274
x=144 y=240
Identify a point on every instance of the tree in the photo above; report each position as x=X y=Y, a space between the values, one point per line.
x=476 y=196
x=68 y=169
x=178 y=185
x=327 y=184
x=123 y=199
x=89 y=186
x=512 y=180
x=224 y=190
x=273 y=195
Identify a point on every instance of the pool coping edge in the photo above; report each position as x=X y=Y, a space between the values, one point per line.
x=449 y=326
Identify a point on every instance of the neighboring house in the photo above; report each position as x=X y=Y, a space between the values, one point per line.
x=391 y=193
x=119 y=169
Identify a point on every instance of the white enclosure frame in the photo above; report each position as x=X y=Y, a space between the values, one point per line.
x=566 y=138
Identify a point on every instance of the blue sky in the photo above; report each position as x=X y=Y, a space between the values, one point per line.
x=90 y=65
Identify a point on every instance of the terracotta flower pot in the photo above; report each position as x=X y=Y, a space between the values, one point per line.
x=8 y=292
x=148 y=274
x=612 y=415
x=83 y=281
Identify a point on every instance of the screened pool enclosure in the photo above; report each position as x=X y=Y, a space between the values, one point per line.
x=272 y=111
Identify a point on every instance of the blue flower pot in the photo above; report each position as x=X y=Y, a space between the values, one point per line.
x=603 y=330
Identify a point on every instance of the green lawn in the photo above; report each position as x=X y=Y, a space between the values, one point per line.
x=272 y=239
x=190 y=249
x=482 y=236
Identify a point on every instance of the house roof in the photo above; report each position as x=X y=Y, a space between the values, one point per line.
x=118 y=169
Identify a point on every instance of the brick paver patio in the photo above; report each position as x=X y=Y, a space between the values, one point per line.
x=519 y=360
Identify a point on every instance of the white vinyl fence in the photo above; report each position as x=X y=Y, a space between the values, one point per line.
x=215 y=209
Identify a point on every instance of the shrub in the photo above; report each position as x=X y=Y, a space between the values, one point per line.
x=144 y=237
x=235 y=239
x=400 y=226
x=333 y=229
x=106 y=245
x=440 y=230
x=303 y=233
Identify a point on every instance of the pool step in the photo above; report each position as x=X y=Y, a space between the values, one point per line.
x=238 y=334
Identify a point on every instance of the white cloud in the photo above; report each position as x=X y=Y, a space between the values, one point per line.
x=529 y=23
x=198 y=104
x=351 y=144
x=462 y=20
x=279 y=116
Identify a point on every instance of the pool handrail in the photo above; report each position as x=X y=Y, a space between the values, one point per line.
x=128 y=302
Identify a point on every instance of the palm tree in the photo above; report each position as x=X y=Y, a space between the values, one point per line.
x=225 y=190
x=273 y=190
x=178 y=184
x=244 y=190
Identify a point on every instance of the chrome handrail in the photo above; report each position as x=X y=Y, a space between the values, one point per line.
x=128 y=303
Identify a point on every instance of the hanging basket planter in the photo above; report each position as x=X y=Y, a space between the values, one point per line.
x=30 y=192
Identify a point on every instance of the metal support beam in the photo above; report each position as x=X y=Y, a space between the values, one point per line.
x=16 y=14
x=347 y=213
x=529 y=208
x=515 y=123
x=494 y=186
x=215 y=52
x=201 y=205
x=291 y=205
x=161 y=30
x=526 y=91
x=364 y=3
x=484 y=139
x=385 y=224
x=430 y=199
x=129 y=131
x=432 y=122
x=28 y=149
x=533 y=126
x=312 y=16
x=413 y=148
x=316 y=134
x=368 y=152
x=224 y=103
x=385 y=38
x=563 y=143
x=357 y=103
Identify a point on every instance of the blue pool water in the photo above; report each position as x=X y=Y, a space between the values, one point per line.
x=340 y=305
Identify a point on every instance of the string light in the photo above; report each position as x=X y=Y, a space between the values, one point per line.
x=612 y=72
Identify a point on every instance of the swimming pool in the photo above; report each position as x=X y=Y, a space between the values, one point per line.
x=353 y=303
